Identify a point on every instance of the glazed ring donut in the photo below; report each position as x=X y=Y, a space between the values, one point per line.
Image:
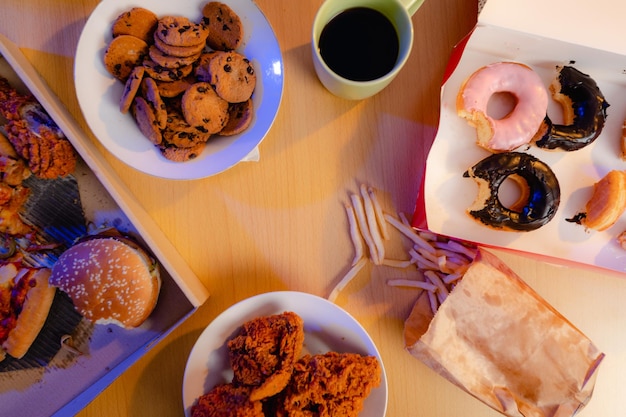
x=536 y=206
x=518 y=127
x=584 y=111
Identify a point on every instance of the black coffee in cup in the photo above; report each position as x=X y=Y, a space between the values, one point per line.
x=360 y=44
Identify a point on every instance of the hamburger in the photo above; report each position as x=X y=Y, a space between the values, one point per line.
x=110 y=278
x=25 y=301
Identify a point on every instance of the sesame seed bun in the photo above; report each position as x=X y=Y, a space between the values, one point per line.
x=109 y=279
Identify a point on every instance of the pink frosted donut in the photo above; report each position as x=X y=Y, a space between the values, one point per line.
x=519 y=126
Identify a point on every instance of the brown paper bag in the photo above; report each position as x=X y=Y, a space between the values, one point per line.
x=501 y=342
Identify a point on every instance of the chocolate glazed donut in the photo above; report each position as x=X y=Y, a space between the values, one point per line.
x=587 y=112
x=540 y=197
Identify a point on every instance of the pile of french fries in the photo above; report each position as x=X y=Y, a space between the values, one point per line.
x=440 y=261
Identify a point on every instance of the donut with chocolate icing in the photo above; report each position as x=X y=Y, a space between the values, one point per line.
x=584 y=111
x=519 y=126
x=540 y=192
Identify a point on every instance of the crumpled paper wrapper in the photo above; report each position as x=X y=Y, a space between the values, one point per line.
x=502 y=343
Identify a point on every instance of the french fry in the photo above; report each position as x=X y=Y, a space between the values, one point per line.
x=372 y=223
x=405 y=221
x=380 y=217
x=441 y=261
x=432 y=299
x=359 y=211
x=452 y=278
x=396 y=263
x=422 y=262
x=460 y=248
x=431 y=256
x=413 y=284
x=434 y=278
x=355 y=234
x=352 y=273
x=409 y=232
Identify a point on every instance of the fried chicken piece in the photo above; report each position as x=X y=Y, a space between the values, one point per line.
x=227 y=400
x=13 y=169
x=13 y=195
x=329 y=385
x=48 y=156
x=34 y=135
x=263 y=354
x=13 y=198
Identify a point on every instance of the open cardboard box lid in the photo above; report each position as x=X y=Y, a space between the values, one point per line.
x=69 y=383
x=543 y=35
x=595 y=24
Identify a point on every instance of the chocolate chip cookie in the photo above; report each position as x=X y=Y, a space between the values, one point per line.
x=124 y=53
x=232 y=75
x=138 y=22
x=203 y=108
x=180 y=31
x=131 y=87
x=225 y=27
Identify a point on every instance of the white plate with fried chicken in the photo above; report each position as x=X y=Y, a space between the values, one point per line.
x=100 y=93
x=328 y=333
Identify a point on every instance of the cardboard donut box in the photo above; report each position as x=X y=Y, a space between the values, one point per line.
x=586 y=37
x=71 y=380
x=544 y=36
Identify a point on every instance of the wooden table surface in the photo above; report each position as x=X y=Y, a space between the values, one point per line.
x=279 y=223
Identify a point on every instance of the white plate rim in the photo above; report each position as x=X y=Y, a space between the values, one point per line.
x=98 y=93
x=320 y=316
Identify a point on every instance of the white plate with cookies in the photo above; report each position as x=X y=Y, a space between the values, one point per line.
x=100 y=93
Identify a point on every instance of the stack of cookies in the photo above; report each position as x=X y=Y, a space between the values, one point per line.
x=184 y=80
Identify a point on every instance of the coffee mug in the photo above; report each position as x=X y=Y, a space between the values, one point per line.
x=359 y=46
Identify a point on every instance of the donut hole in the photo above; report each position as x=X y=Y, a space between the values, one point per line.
x=514 y=192
x=501 y=104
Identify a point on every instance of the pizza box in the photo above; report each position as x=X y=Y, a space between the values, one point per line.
x=543 y=35
x=70 y=381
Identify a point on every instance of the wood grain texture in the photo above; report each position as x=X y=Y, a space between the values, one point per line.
x=280 y=223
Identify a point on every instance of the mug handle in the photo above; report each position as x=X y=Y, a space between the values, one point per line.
x=412 y=5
